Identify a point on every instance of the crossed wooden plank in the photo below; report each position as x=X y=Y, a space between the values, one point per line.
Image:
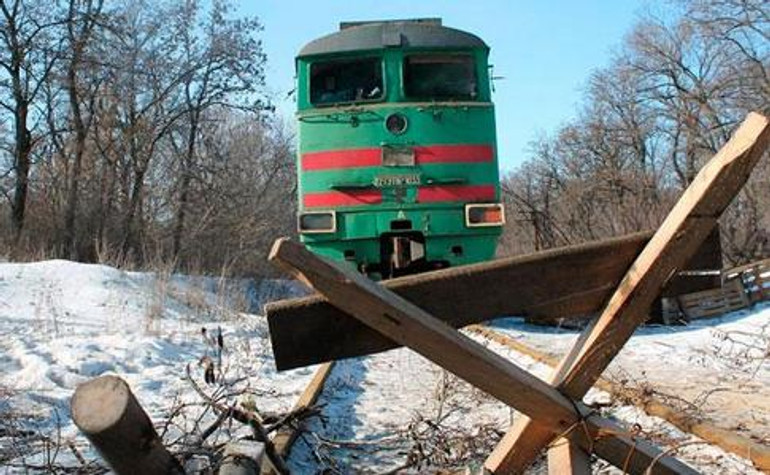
x=408 y=325
x=685 y=227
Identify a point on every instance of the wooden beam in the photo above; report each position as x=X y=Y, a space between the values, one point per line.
x=407 y=324
x=110 y=417
x=565 y=458
x=677 y=239
x=310 y=330
x=285 y=437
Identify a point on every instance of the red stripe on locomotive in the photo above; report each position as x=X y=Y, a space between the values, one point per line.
x=428 y=194
x=339 y=198
x=371 y=157
x=454 y=154
x=351 y=158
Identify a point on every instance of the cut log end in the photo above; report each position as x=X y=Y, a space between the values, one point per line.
x=110 y=417
x=283 y=249
x=99 y=404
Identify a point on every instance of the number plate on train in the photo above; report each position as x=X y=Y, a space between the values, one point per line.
x=396 y=180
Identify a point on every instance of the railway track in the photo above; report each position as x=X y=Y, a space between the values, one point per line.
x=729 y=441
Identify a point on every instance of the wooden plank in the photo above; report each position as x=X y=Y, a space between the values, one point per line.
x=310 y=330
x=565 y=458
x=409 y=325
x=285 y=437
x=683 y=230
x=111 y=418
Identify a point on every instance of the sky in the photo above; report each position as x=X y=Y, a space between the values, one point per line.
x=545 y=50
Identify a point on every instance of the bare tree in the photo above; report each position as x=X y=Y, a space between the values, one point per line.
x=742 y=29
x=83 y=17
x=668 y=99
x=225 y=70
x=144 y=88
x=28 y=52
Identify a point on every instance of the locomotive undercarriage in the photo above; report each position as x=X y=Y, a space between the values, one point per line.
x=401 y=253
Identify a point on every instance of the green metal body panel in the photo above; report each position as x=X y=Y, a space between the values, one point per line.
x=362 y=126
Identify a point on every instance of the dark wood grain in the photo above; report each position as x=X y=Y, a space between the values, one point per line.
x=569 y=281
x=573 y=281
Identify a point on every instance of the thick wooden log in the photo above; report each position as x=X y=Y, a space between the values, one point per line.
x=407 y=324
x=110 y=417
x=310 y=330
x=677 y=239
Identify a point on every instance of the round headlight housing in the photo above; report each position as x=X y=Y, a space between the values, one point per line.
x=396 y=123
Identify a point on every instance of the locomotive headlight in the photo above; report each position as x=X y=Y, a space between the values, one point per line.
x=317 y=222
x=396 y=123
x=487 y=214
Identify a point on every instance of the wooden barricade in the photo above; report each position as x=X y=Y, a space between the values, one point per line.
x=311 y=330
x=408 y=325
x=678 y=237
x=552 y=410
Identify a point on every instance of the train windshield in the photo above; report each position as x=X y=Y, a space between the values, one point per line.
x=440 y=77
x=345 y=81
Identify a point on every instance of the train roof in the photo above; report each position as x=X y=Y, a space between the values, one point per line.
x=369 y=35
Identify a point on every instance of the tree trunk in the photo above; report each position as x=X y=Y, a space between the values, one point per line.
x=184 y=185
x=109 y=415
x=22 y=150
x=130 y=238
x=77 y=159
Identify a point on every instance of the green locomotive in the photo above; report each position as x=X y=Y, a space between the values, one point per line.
x=397 y=161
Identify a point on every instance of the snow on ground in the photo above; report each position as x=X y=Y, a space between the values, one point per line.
x=717 y=367
x=385 y=408
x=62 y=323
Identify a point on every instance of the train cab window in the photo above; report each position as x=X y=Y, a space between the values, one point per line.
x=440 y=77
x=345 y=81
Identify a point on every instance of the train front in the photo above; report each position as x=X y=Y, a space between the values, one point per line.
x=397 y=158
